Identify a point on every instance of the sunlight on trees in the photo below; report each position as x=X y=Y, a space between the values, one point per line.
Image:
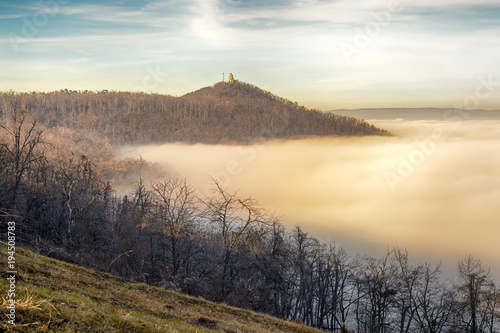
x=223 y=247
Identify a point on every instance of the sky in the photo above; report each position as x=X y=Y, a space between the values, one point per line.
x=324 y=54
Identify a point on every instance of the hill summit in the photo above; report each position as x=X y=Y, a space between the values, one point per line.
x=235 y=112
x=237 y=89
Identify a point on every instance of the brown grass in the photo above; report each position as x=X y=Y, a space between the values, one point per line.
x=53 y=296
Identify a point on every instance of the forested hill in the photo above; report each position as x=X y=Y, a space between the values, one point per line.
x=223 y=113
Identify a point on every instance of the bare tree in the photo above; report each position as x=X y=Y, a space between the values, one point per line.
x=435 y=302
x=342 y=287
x=174 y=214
x=306 y=252
x=234 y=219
x=475 y=279
x=491 y=308
x=377 y=295
x=275 y=269
x=80 y=187
x=409 y=278
x=25 y=137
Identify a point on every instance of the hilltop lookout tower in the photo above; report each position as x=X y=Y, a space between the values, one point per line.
x=231 y=79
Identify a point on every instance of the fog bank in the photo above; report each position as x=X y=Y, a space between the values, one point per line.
x=433 y=188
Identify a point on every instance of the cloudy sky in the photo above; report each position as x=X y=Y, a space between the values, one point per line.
x=322 y=53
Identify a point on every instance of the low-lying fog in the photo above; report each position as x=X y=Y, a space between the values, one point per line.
x=433 y=188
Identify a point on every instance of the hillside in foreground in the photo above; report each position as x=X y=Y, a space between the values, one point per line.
x=53 y=296
x=222 y=113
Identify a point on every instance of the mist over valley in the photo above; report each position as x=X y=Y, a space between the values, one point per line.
x=333 y=164
x=432 y=188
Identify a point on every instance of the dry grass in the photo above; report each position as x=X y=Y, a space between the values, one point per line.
x=53 y=296
x=26 y=304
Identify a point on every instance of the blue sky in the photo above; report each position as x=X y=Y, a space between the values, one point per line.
x=322 y=53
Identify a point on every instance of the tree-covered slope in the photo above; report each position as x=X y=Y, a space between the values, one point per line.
x=222 y=113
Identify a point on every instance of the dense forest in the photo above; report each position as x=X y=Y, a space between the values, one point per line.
x=224 y=113
x=58 y=186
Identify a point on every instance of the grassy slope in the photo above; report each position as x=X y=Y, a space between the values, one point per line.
x=54 y=296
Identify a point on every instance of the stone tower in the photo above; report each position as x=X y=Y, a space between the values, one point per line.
x=231 y=79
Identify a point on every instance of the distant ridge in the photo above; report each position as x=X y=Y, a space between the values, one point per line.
x=223 y=113
x=418 y=113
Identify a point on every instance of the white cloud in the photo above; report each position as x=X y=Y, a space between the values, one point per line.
x=294 y=48
x=451 y=3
